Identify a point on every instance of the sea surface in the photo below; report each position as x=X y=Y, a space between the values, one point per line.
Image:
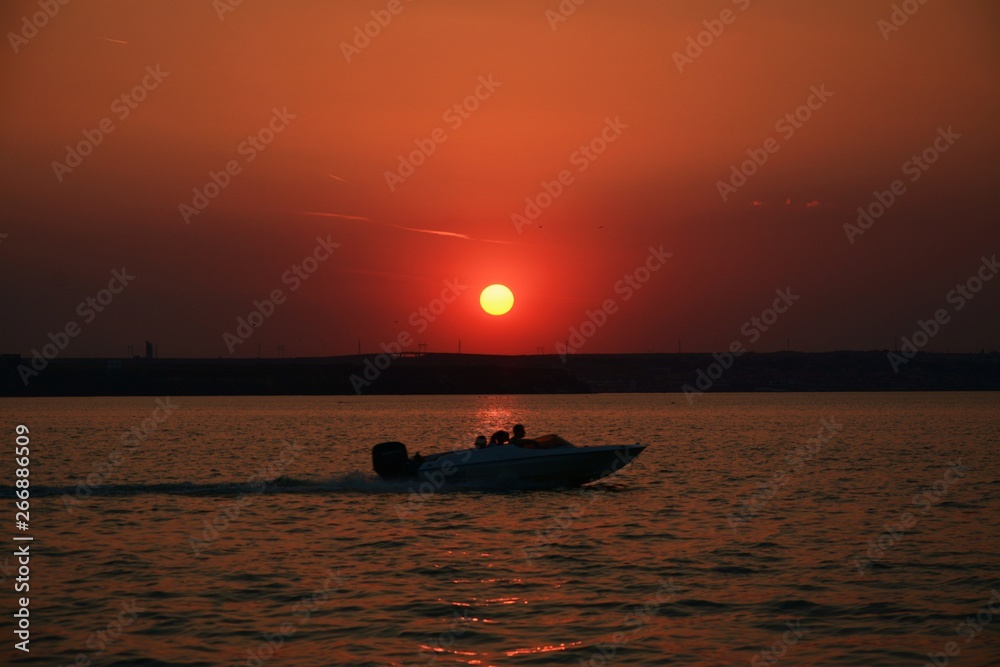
x=756 y=529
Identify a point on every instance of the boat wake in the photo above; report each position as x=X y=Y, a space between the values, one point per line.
x=351 y=482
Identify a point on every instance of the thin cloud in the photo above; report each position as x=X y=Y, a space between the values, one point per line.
x=436 y=232
x=336 y=178
x=416 y=230
x=116 y=41
x=341 y=216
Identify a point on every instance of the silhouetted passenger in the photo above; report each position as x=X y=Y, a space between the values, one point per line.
x=520 y=440
x=499 y=438
x=480 y=441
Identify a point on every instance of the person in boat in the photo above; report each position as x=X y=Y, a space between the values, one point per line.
x=499 y=438
x=480 y=441
x=519 y=438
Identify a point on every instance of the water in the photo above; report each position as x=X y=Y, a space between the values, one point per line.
x=719 y=543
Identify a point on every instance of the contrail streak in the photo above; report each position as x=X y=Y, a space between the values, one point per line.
x=416 y=230
x=335 y=215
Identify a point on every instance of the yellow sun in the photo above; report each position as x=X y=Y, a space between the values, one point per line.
x=496 y=299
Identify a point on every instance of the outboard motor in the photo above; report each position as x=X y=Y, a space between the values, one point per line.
x=391 y=460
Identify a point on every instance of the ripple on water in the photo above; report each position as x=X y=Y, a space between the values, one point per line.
x=450 y=577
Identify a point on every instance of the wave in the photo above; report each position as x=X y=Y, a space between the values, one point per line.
x=352 y=482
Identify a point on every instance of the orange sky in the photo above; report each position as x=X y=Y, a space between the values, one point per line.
x=609 y=65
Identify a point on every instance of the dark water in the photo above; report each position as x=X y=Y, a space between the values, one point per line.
x=793 y=529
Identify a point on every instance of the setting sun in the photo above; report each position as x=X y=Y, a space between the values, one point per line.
x=496 y=299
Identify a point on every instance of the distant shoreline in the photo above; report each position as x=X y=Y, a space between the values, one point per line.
x=437 y=373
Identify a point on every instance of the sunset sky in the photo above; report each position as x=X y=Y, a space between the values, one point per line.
x=310 y=118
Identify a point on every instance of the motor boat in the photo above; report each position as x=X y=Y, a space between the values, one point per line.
x=545 y=462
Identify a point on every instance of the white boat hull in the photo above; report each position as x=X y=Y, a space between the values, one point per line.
x=515 y=467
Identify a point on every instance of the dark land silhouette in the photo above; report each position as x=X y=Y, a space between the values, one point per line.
x=488 y=374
